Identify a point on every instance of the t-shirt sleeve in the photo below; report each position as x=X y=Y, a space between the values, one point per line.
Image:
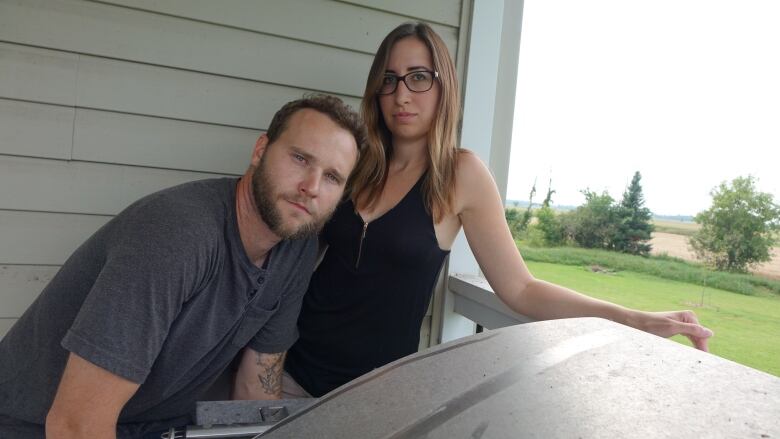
x=281 y=330
x=152 y=261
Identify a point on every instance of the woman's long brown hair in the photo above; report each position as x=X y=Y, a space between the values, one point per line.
x=370 y=174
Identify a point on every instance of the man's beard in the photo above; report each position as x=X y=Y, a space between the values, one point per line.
x=266 y=196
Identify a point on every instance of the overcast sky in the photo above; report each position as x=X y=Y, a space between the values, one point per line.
x=687 y=92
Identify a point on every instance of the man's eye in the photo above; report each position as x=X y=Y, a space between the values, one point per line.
x=333 y=178
x=299 y=158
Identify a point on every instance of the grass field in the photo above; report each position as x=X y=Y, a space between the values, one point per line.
x=747 y=328
x=676 y=227
x=660 y=266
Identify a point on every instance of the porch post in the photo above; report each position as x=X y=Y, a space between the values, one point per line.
x=488 y=111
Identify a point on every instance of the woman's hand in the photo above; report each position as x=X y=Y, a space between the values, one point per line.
x=669 y=323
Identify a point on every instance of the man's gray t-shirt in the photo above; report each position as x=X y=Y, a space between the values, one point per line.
x=163 y=295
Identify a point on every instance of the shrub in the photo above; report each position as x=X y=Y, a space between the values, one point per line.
x=739 y=229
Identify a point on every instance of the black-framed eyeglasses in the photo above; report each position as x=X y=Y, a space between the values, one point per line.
x=419 y=81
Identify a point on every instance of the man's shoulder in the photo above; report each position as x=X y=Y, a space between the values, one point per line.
x=186 y=218
x=191 y=203
x=216 y=192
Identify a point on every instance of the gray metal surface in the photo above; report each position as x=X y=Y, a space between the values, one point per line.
x=567 y=378
x=216 y=432
x=236 y=419
x=247 y=412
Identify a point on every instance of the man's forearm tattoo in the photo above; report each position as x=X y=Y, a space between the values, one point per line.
x=270 y=374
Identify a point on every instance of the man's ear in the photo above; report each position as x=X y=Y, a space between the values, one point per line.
x=259 y=150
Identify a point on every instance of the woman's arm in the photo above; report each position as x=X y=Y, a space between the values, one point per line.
x=481 y=213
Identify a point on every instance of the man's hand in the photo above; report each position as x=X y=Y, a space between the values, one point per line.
x=667 y=324
x=88 y=401
x=259 y=376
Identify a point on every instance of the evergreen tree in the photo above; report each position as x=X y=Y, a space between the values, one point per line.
x=635 y=228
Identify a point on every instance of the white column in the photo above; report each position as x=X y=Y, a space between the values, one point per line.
x=488 y=110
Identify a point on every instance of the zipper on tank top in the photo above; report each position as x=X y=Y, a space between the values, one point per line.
x=360 y=246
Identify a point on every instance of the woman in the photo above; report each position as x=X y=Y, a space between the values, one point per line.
x=413 y=191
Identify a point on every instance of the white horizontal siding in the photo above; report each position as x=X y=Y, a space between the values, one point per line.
x=35 y=130
x=437 y=11
x=147 y=141
x=78 y=187
x=324 y=22
x=132 y=35
x=38 y=238
x=20 y=285
x=101 y=83
x=49 y=131
x=103 y=102
x=37 y=75
x=173 y=93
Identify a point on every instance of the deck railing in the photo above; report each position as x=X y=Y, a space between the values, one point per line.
x=474 y=299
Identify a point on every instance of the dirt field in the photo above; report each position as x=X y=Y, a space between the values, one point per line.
x=677 y=246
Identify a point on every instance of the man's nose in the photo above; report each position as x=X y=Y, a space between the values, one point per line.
x=310 y=185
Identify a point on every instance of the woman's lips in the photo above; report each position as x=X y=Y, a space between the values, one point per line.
x=403 y=116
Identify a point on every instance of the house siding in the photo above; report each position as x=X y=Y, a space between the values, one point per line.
x=104 y=102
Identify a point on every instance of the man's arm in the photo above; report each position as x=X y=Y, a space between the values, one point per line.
x=88 y=401
x=259 y=375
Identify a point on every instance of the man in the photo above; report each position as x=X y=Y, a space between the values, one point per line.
x=145 y=315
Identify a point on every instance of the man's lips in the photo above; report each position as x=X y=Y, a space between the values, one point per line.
x=299 y=206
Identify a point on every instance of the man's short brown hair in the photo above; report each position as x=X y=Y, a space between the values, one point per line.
x=331 y=106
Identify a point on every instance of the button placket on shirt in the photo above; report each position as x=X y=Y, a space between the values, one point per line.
x=255 y=288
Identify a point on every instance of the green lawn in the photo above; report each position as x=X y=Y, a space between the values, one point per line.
x=747 y=328
x=660 y=266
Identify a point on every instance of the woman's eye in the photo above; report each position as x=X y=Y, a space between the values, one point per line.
x=388 y=80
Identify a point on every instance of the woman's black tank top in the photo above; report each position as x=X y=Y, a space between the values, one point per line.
x=368 y=297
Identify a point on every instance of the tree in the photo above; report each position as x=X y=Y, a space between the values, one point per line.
x=740 y=227
x=519 y=223
x=551 y=229
x=634 y=228
x=512 y=216
x=594 y=224
x=552 y=232
x=526 y=219
x=548 y=199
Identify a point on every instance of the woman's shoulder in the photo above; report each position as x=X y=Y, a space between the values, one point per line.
x=472 y=179
x=469 y=166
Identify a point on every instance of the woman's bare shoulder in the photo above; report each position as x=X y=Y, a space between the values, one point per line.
x=470 y=168
x=472 y=179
